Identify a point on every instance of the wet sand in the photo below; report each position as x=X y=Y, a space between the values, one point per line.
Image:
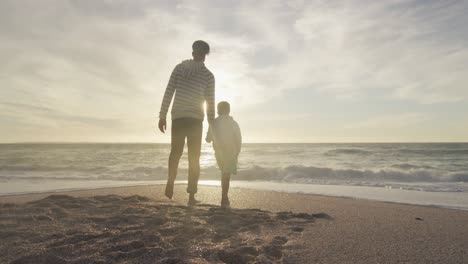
x=138 y=225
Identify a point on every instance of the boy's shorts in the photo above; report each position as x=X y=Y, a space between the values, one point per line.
x=227 y=164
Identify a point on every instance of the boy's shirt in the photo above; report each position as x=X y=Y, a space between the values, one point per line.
x=226 y=136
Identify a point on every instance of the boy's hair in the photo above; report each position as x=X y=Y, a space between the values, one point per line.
x=201 y=47
x=224 y=108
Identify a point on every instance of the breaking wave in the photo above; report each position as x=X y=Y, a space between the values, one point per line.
x=348 y=151
x=303 y=174
x=405 y=173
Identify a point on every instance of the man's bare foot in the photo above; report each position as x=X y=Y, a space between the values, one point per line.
x=169 y=190
x=192 y=201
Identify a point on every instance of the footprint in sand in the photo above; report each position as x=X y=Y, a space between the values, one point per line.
x=217 y=218
x=279 y=240
x=172 y=231
x=240 y=255
x=250 y=228
x=126 y=247
x=297 y=229
x=39 y=258
x=45 y=218
x=114 y=229
x=116 y=257
x=273 y=251
x=172 y=261
x=156 y=221
x=192 y=232
x=76 y=239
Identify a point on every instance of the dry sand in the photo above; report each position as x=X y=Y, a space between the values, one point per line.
x=137 y=225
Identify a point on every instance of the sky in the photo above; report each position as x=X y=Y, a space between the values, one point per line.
x=293 y=71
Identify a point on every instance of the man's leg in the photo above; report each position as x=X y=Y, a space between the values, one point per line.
x=194 y=139
x=177 y=148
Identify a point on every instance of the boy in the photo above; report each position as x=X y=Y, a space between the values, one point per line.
x=227 y=140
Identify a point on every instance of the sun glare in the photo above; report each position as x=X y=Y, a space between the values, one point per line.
x=222 y=81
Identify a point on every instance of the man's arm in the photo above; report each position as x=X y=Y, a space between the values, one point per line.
x=209 y=135
x=168 y=94
x=210 y=99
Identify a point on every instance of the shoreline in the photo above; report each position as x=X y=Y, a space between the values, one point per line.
x=327 y=190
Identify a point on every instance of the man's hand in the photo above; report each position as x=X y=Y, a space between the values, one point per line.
x=162 y=125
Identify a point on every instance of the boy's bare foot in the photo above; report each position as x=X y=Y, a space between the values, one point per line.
x=225 y=203
x=169 y=190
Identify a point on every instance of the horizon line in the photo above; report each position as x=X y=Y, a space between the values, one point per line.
x=147 y=142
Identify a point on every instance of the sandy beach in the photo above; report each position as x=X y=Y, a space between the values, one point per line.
x=137 y=225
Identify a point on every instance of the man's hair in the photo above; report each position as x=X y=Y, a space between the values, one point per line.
x=201 y=47
x=224 y=108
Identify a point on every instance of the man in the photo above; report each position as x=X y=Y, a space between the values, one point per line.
x=193 y=84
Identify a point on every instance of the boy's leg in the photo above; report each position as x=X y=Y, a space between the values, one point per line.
x=225 y=188
x=225 y=184
x=194 y=139
x=177 y=148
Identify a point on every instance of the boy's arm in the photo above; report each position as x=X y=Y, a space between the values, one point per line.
x=168 y=94
x=210 y=99
x=238 y=137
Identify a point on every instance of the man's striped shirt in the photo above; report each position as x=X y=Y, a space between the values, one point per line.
x=193 y=84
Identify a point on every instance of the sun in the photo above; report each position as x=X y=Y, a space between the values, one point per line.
x=222 y=81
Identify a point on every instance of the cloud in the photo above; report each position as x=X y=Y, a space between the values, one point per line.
x=40 y=114
x=406 y=50
x=110 y=60
x=401 y=49
x=390 y=121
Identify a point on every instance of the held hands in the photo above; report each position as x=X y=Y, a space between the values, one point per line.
x=162 y=125
x=208 y=138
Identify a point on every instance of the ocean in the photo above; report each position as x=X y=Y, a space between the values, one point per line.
x=425 y=173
